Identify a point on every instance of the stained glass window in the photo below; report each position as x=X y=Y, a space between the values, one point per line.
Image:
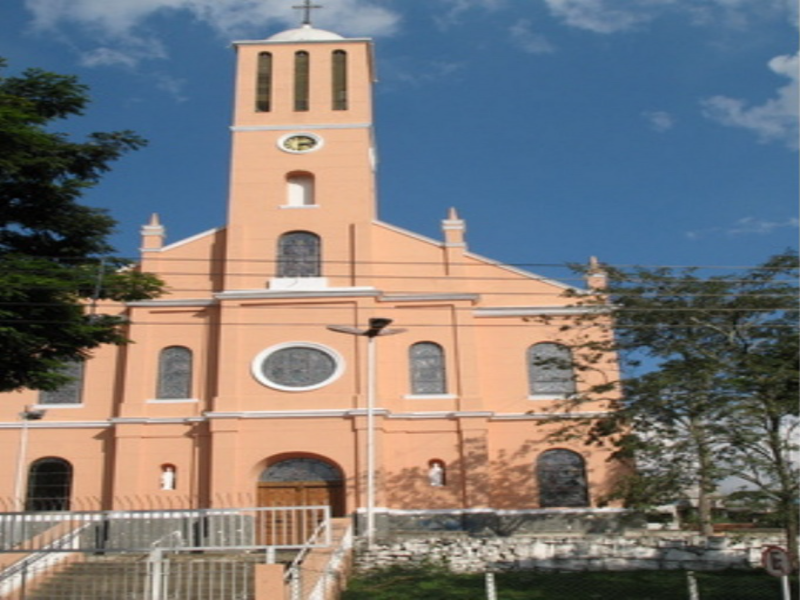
x=298 y=367
x=561 y=476
x=427 y=369
x=550 y=369
x=175 y=373
x=49 y=485
x=70 y=392
x=299 y=254
x=301 y=469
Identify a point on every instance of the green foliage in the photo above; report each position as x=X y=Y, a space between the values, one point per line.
x=709 y=386
x=402 y=583
x=49 y=243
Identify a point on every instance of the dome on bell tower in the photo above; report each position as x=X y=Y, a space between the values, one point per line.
x=305 y=33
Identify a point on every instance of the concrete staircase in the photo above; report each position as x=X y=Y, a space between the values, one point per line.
x=118 y=577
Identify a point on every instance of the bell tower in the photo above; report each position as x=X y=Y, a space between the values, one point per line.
x=302 y=192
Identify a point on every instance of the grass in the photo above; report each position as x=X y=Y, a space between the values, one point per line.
x=436 y=583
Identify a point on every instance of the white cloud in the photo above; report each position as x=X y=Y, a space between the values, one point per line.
x=745 y=226
x=776 y=120
x=120 y=26
x=598 y=16
x=659 y=120
x=611 y=16
x=525 y=38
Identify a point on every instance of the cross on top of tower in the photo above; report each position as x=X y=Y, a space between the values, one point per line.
x=307 y=7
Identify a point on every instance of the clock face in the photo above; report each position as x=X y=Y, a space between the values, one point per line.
x=300 y=142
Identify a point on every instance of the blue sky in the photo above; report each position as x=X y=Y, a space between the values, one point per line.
x=657 y=132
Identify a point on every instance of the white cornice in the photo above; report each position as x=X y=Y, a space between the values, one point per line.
x=189 y=303
x=268 y=42
x=537 y=311
x=303 y=127
x=188 y=240
x=58 y=425
x=429 y=297
x=155 y=420
x=269 y=294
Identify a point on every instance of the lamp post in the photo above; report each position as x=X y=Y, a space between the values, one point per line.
x=377 y=327
x=28 y=414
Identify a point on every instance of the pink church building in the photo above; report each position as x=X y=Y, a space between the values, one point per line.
x=308 y=353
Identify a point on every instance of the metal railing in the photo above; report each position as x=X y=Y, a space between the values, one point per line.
x=141 y=531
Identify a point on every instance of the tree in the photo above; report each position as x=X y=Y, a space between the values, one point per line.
x=52 y=248
x=709 y=385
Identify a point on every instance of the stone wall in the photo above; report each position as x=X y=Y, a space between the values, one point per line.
x=672 y=550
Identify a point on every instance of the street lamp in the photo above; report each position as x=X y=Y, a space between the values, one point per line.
x=28 y=414
x=377 y=327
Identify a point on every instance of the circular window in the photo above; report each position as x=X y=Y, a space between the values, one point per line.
x=297 y=366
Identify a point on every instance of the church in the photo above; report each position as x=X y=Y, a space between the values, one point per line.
x=307 y=353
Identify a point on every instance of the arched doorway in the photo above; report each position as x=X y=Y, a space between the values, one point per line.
x=302 y=481
x=49 y=485
x=297 y=482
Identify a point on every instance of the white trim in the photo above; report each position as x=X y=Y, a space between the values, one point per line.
x=550 y=396
x=261 y=357
x=155 y=420
x=200 y=302
x=59 y=425
x=278 y=414
x=430 y=397
x=71 y=405
x=280 y=294
x=408 y=233
x=190 y=239
x=524 y=273
x=269 y=42
x=252 y=128
x=530 y=311
x=430 y=298
x=299 y=284
x=172 y=401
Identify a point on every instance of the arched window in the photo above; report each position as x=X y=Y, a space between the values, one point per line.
x=561 y=475
x=264 y=83
x=300 y=189
x=550 y=369
x=49 y=485
x=339 y=80
x=301 y=469
x=426 y=361
x=301 y=80
x=174 y=373
x=70 y=392
x=299 y=254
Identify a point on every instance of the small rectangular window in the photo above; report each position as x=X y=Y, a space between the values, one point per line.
x=301 y=81
x=339 y=80
x=264 y=83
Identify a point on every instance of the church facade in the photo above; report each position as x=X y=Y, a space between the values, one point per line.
x=307 y=353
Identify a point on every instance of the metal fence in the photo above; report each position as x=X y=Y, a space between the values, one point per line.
x=203 y=554
x=141 y=531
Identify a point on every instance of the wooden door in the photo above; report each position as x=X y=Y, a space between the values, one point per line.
x=295 y=527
